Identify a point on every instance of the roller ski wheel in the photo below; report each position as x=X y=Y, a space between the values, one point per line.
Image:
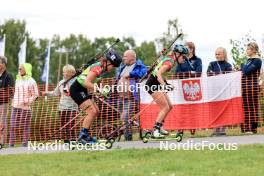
x=179 y=137
x=145 y=140
x=109 y=144
x=112 y=140
x=146 y=137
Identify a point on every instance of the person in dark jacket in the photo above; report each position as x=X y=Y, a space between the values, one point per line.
x=251 y=89
x=189 y=67
x=130 y=72
x=192 y=64
x=220 y=66
x=6 y=85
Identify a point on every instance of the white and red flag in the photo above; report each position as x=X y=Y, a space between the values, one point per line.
x=205 y=102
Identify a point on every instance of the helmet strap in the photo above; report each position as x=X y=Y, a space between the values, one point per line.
x=106 y=66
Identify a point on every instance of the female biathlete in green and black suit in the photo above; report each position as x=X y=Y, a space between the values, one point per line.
x=82 y=89
x=156 y=83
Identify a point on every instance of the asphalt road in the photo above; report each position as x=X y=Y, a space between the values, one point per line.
x=227 y=142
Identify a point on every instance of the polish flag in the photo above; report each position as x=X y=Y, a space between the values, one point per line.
x=205 y=102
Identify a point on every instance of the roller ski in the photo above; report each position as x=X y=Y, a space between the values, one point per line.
x=157 y=135
x=86 y=140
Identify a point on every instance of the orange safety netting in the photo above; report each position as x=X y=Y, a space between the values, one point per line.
x=44 y=121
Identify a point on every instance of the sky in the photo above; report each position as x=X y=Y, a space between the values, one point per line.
x=208 y=23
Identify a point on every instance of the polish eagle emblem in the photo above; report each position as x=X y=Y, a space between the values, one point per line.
x=192 y=90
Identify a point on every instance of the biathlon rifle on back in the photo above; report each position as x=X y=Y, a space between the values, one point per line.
x=92 y=60
x=163 y=53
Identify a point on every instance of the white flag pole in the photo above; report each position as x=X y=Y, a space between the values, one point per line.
x=4 y=44
x=22 y=52
x=47 y=74
x=2 y=48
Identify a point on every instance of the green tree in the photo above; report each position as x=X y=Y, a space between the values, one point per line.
x=147 y=52
x=32 y=57
x=72 y=50
x=85 y=50
x=127 y=43
x=78 y=49
x=15 y=31
x=173 y=29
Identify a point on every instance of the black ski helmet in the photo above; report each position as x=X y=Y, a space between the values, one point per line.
x=114 y=58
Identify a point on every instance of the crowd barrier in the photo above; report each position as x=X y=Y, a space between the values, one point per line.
x=44 y=121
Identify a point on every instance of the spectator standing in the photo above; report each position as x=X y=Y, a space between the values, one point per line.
x=26 y=92
x=67 y=108
x=130 y=72
x=251 y=88
x=189 y=67
x=6 y=86
x=220 y=66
